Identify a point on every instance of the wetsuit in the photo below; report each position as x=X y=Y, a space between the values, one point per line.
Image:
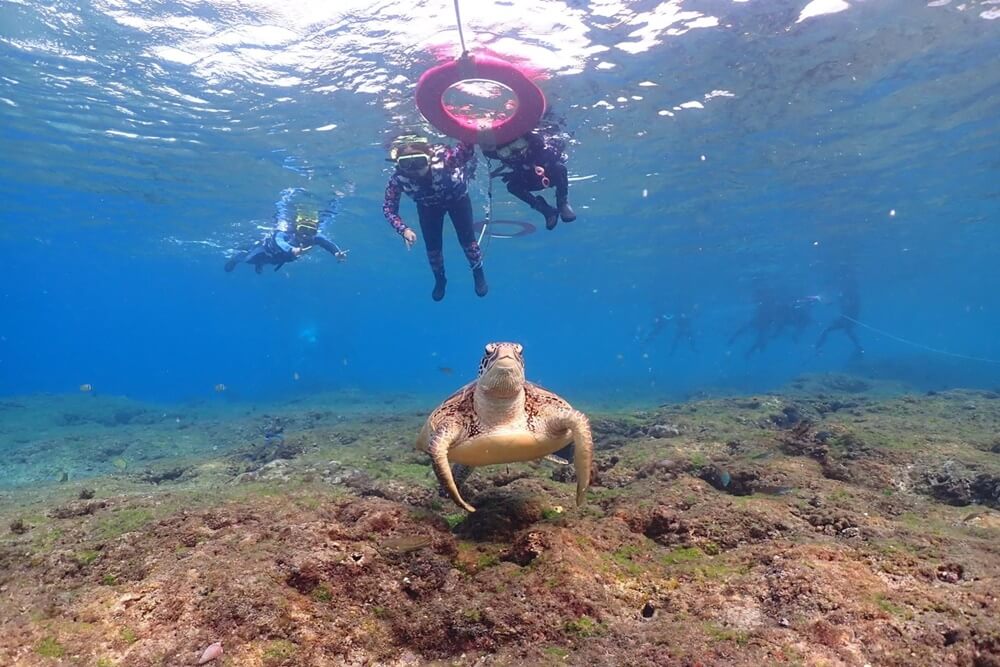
x=850 y=308
x=277 y=248
x=443 y=189
x=542 y=165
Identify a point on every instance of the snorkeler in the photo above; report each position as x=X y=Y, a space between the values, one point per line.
x=772 y=316
x=682 y=331
x=281 y=245
x=436 y=177
x=536 y=161
x=850 y=308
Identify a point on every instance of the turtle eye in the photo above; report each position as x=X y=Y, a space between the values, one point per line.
x=490 y=347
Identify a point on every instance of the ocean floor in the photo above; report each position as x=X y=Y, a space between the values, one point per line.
x=834 y=523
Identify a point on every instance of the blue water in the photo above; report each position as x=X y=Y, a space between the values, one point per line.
x=716 y=147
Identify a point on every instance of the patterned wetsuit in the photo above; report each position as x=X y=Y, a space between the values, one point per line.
x=443 y=190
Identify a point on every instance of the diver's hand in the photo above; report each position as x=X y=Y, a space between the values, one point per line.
x=409 y=237
x=298 y=251
x=341 y=255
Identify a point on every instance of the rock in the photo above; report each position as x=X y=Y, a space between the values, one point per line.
x=500 y=515
x=86 y=494
x=19 y=527
x=950 y=573
x=211 y=653
x=526 y=547
x=664 y=526
x=664 y=467
x=77 y=509
x=663 y=431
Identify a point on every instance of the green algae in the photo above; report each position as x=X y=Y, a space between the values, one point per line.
x=124 y=521
x=87 y=556
x=719 y=633
x=128 y=636
x=278 y=652
x=625 y=558
x=682 y=555
x=891 y=608
x=321 y=593
x=556 y=652
x=50 y=648
x=583 y=627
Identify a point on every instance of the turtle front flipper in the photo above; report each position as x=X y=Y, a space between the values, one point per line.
x=440 y=442
x=578 y=425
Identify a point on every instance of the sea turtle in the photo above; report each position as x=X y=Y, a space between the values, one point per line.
x=501 y=418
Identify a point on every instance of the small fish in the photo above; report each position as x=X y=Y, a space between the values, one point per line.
x=220 y=388
x=210 y=653
x=406 y=544
x=558 y=460
x=86 y=388
x=724 y=478
x=773 y=490
x=296 y=376
x=446 y=370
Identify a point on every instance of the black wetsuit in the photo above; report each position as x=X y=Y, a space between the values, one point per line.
x=541 y=166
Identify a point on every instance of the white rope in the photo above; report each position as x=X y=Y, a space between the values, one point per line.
x=921 y=346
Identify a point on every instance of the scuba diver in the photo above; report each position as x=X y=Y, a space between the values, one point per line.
x=850 y=308
x=282 y=245
x=436 y=177
x=683 y=330
x=532 y=162
x=772 y=316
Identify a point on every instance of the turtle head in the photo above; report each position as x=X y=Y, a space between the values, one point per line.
x=501 y=371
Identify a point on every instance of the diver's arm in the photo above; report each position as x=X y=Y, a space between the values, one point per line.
x=330 y=247
x=390 y=206
x=281 y=240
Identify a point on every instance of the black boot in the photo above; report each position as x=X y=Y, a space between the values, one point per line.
x=566 y=212
x=439 y=284
x=551 y=214
x=481 y=287
x=231 y=264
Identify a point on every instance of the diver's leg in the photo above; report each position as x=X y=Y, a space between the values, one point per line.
x=461 y=217
x=830 y=328
x=521 y=189
x=236 y=259
x=432 y=225
x=560 y=179
x=853 y=335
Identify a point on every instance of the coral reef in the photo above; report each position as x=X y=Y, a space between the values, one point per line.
x=834 y=524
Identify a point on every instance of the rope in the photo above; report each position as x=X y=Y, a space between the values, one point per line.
x=461 y=37
x=483 y=233
x=921 y=345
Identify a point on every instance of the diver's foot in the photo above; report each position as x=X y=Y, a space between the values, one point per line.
x=551 y=214
x=230 y=265
x=259 y=268
x=439 y=284
x=567 y=213
x=481 y=287
x=551 y=219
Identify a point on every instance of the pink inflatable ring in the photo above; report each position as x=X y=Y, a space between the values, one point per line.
x=437 y=80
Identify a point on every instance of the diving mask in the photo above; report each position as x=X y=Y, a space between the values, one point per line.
x=513 y=149
x=413 y=163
